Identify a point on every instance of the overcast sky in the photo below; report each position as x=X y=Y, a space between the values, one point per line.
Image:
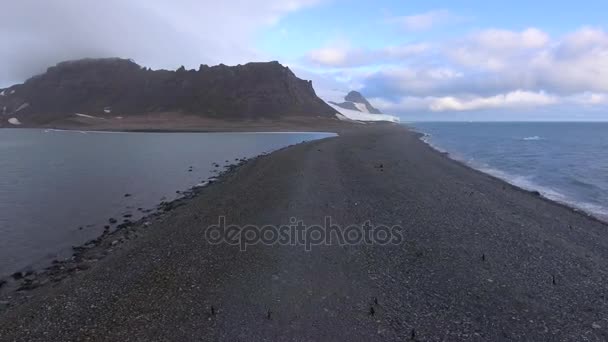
x=461 y=59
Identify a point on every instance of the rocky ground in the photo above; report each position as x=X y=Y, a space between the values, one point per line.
x=479 y=259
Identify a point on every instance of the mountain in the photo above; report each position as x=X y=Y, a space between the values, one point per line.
x=117 y=88
x=355 y=101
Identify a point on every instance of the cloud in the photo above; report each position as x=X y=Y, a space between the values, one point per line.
x=515 y=99
x=341 y=55
x=425 y=21
x=486 y=69
x=161 y=34
x=493 y=49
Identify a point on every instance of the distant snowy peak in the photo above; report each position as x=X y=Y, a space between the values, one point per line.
x=356 y=107
x=355 y=101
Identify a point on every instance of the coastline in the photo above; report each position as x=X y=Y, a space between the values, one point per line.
x=81 y=255
x=453 y=215
x=534 y=190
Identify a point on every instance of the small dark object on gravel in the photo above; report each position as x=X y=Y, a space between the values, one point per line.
x=2 y=283
x=553 y=280
x=376 y=300
x=212 y=311
x=372 y=311
x=112 y=220
x=17 y=275
x=128 y=195
x=269 y=314
x=127 y=215
x=483 y=257
x=413 y=335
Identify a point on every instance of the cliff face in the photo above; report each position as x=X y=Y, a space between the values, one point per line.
x=355 y=101
x=110 y=87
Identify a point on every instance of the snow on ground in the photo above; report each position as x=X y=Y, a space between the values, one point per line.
x=14 y=121
x=22 y=107
x=87 y=116
x=361 y=107
x=2 y=93
x=12 y=92
x=359 y=116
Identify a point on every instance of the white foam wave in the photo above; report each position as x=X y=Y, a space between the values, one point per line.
x=533 y=138
x=527 y=183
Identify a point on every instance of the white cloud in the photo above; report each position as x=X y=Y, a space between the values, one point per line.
x=342 y=55
x=161 y=34
x=515 y=99
x=487 y=69
x=331 y=56
x=512 y=100
x=493 y=49
x=425 y=21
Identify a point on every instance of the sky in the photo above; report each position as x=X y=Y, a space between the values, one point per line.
x=431 y=60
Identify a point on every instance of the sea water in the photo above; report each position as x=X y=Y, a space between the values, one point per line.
x=566 y=162
x=59 y=188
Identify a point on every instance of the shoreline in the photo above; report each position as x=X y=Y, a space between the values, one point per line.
x=534 y=191
x=478 y=258
x=44 y=272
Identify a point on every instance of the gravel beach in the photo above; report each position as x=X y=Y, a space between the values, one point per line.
x=480 y=260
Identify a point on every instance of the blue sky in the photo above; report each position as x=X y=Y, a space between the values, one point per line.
x=431 y=60
x=525 y=31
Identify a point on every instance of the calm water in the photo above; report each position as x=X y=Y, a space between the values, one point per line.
x=58 y=188
x=567 y=162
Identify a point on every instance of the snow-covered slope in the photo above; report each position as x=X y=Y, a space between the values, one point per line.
x=360 y=116
x=355 y=106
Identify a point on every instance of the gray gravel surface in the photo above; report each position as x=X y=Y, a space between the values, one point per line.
x=481 y=260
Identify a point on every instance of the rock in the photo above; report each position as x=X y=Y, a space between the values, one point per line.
x=17 y=275
x=112 y=220
x=128 y=195
x=115 y=242
x=2 y=283
x=535 y=193
x=99 y=86
x=28 y=286
x=127 y=215
x=354 y=98
x=83 y=266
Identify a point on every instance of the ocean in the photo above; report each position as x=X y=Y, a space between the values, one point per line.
x=564 y=161
x=59 y=188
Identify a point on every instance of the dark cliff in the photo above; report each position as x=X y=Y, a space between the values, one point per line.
x=109 y=87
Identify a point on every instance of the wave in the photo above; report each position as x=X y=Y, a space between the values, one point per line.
x=527 y=183
x=532 y=138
